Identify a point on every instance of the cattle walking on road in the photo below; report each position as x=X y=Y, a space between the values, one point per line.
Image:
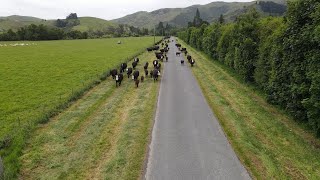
x=119 y=79
x=113 y=73
x=129 y=72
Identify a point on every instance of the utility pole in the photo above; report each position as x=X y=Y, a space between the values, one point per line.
x=154 y=35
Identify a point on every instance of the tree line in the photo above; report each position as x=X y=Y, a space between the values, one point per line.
x=41 y=32
x=280 y=55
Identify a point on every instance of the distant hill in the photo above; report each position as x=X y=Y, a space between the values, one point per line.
x=174 y=16
x=86 y=23
x=14 y=22
x=210 y=12
x=94 y=24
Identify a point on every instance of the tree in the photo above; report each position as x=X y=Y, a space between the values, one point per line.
x=221 y=19
x=197 y=21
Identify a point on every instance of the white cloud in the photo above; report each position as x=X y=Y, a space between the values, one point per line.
x=106 y=9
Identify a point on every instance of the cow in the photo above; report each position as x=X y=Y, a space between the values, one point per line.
x=189 y=58
x=162 y=50
x=134 y=64
x=159 y=55
x=146 y=72
x=192 y=62
x=183 y=49
x=178 y=45
x=155 y=74
x=155 y=63
x=155 y=48
x=186 y=53
x=137 y=83
x=146 y=65
x=178 y=53
x=135 y=75
x=113 y=73
x=123 y=67
x=119 y=79
x=136 y=60
x=182 y=62
x=149 y=49
x=158 y=67
x=142 y=79
x=129 y=72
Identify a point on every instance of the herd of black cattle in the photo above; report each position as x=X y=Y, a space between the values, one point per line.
x=161 y=55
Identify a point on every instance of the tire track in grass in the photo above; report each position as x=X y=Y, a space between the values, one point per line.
x=111 y=136
x=54 y=130
x=125 y=163
x=57 y=152
x=85 y=146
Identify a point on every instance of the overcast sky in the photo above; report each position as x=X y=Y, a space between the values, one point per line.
x=106 y=9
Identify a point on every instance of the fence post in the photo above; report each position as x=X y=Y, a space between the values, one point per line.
x=1 y=169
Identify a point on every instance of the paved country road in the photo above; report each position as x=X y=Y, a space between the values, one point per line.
x=187 y=140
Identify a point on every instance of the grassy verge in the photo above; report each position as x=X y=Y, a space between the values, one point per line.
x=102 y=136
x=269 y=144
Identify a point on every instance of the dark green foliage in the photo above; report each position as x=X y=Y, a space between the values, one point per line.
x=70 y=21
x=41 y=32
x=197 y=21
x=280 y=55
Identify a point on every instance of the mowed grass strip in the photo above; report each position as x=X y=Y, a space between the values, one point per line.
x=270 y=144
x=104 y=135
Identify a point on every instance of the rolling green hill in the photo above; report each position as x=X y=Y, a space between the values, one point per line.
x=94 y=24
x=14 y=22
x=86 y=23
x=210 y=12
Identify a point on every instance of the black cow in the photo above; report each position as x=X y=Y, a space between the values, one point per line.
x=146 y=72
x=189 y=58
x=186 y=53
x=178 y=53
x=119 y=79
x=158 y=67
x=155 y=63
x=182 y=62
x=123 y=67
x=192 y=62
x=134 y=64
x=136 y=60
x=137 y=82
x=129 y=72
x=136 y=75
x=146 y=65
x=149 y=49
x=155 y=48
x=159 y=55
x=113 y=73
x=155 y=74
x=183 y=49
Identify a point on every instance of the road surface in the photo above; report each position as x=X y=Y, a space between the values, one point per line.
x=187 y=140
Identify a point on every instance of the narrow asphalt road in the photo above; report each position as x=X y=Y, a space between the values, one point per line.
x=187 y=140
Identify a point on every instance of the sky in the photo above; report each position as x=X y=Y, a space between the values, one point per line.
x=105 y=9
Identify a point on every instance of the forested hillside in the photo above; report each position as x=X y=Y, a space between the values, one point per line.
x=179 y=17
x=279 y=55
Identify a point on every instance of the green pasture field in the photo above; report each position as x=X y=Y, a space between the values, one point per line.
x=268 y=142
x=37 y=80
